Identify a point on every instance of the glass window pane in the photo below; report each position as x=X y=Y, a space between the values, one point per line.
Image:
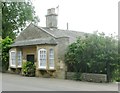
x=51 y=58
x=42 y=57
x=19 y=58
x=13 y=58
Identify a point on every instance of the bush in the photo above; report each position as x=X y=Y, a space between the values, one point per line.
x=28 y=69
x=5 y=46
x=116 y=74
x=94 y=53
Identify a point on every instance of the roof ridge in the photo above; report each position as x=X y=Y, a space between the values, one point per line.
x=65 y=30
x=71 y=31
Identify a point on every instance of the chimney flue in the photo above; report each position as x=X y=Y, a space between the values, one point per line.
x=51 y=18
x=67 y=26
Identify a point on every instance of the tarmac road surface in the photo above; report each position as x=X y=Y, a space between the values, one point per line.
x=13 y=82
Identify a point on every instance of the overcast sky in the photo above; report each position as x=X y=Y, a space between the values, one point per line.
x=82 y=15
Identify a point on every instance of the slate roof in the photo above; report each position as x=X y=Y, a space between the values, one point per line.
x=35 y=42
x=32 y=35
x=64 y=33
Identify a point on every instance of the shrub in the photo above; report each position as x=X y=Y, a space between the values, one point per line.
x=5 y=46
x=28 y=69
x=94 y=53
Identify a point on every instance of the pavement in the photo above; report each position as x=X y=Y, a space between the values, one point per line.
x=13 y=82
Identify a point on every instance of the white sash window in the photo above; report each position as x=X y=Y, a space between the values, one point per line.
x=51 y=59
x=42 y=58
x=13 y=58
x=19 y=54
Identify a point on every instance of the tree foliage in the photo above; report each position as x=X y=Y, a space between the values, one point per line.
x=5 y=52
x=93 y=53
x=15 y=16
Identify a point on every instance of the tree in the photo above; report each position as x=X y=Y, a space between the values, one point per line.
x=95 y=53
x=0 y=55
x=5 y=52
x=15 y=16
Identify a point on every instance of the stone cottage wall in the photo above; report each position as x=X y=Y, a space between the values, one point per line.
x=27 y=51
x=63 y=43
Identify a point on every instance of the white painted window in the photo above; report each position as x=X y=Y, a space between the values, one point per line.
x=51 y=59
x=19 y=54
x=13 y=58
x=42 y=58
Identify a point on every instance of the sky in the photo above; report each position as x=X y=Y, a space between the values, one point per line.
x=82 y=15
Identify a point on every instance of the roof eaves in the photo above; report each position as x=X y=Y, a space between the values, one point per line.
x=34 y=42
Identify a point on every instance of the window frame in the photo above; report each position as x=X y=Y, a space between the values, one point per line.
x=39 y=58
x=12 y=65
x=53 y=58
x=19 y=59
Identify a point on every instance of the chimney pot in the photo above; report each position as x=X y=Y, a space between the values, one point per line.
x=51 y=11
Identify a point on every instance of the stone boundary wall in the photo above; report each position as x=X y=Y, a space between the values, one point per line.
x=94 y=77
x=91 y=77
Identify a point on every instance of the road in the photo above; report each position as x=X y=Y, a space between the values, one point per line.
x=12 y=82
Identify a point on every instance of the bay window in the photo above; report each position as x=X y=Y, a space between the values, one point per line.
x=46 y=59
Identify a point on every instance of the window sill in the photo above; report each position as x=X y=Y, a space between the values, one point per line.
x=46 y=69
x=13 y=67
x=19 y=66
x=42 y=68
x=52 y=68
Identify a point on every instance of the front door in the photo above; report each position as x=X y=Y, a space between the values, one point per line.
x=30 y=58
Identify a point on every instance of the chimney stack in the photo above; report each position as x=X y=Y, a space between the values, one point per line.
x=51 y=18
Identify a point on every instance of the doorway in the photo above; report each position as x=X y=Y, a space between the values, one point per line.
x=30 y=58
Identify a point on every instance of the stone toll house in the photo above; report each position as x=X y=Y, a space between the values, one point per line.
x=44 y=46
